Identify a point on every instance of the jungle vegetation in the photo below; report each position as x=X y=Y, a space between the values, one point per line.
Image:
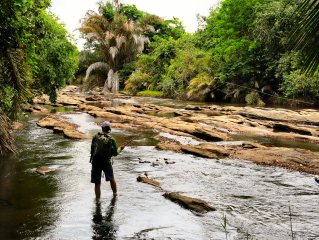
x=36 y=56
x=247 y=51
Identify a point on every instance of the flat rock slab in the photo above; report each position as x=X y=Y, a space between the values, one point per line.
x=296 y=159
x=59 y=124
x=290 y=158
x=190 y=203
x=148 y=181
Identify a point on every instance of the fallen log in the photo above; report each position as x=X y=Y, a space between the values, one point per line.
x=193 y=204
x=148 y=181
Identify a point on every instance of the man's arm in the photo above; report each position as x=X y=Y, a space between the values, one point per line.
x=115 y=149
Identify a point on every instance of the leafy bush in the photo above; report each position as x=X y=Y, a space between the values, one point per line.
x=252 y=98
x=189 y=62
x=297 y=84
x=137 y=81
x=199 y=87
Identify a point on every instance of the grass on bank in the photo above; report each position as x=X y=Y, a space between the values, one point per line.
x=149 y=93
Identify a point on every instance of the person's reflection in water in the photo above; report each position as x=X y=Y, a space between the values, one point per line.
x=103 y=226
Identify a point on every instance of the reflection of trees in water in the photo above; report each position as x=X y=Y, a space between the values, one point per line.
x=103 y=226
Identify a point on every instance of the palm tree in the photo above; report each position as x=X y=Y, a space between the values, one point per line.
x=117 y=37
x=305 y=37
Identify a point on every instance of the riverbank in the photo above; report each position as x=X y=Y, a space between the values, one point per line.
x=205 y=130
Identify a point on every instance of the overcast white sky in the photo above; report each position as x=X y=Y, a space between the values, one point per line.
x=71 y=11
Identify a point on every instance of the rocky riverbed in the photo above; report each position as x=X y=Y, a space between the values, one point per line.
x=209 y=131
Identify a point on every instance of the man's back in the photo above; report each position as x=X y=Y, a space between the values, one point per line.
x=103 y=147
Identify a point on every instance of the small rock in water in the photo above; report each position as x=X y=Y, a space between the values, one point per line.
x=144 y=161
x=317 y=179
x=43 y=170
x=167 y=162
x=154 y=164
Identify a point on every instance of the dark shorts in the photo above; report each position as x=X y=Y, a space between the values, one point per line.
x=96 y=172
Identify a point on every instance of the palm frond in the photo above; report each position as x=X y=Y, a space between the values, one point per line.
x=120 y=40
x=305 y=37
x=94 y=67
x=113 y=51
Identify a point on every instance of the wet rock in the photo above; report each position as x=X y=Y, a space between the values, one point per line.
x=279 y=114
x=169 y=147
x=169 y=162
x=190 y=203
x=68 y=100
x=74 y=134
x=36 y=109
x=59 y=124
x=148 y=181
x=43 y=170
x=154 y=164
x=93 y=98
x=141 y=161
x=193 y=108
x=296 y=159
x=280 y=127
x=17 y=126
x=206 y=150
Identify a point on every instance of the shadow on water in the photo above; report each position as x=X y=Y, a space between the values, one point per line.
x=103 y=226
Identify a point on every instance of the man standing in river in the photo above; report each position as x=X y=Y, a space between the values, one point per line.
x=103 y=147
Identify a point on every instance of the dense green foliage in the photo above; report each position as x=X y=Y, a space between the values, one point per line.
x=36 y=56
x=304 y=36
x=35 y=53
x=118 y=33
x=242 y=54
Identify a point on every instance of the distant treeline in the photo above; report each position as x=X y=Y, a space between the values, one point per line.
x=240 y=53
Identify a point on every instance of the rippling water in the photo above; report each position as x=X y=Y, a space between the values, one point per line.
x=61 y=205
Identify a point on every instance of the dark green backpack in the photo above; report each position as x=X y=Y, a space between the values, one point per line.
x=103 y=147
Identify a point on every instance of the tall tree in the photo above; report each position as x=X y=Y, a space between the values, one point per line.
x=31 y=41
x=118 y=36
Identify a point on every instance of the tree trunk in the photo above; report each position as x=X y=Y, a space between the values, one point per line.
x=115 y=83
x=112 y=82
x=6 y=139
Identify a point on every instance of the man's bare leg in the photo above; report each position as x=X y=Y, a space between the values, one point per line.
x=113 y=186
x=97 y=190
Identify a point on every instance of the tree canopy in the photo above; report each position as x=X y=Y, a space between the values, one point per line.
x=36 y=56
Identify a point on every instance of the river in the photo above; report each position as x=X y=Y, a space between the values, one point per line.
x=257 y=202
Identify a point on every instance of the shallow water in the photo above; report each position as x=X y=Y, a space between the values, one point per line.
x=61 y=205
